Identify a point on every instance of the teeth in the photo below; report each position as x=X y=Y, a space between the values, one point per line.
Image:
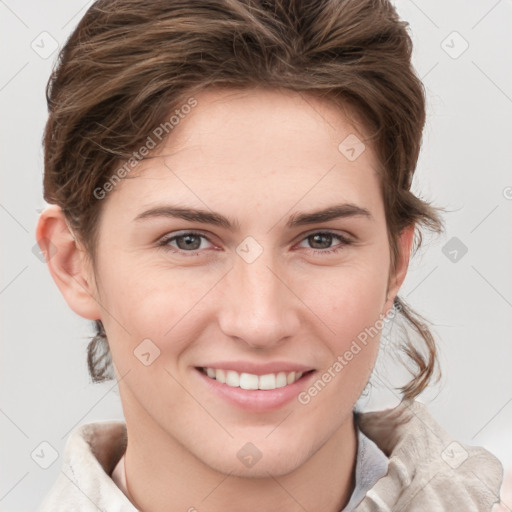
x=267 y=381
x=220 y=375
x=248 y=381
x=280 y=380
x=251 y=381
x=232 y=379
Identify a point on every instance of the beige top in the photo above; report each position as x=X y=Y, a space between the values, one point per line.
x=427 y=469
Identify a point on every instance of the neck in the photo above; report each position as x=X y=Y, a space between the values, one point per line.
x=161 y=475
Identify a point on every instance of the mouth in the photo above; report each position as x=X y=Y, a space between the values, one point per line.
x=260 y=392
x=251 y=381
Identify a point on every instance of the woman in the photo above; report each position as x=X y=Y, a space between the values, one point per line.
x=230 y=188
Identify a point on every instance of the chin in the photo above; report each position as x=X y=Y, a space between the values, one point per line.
x=259 y=460
x=262 y=469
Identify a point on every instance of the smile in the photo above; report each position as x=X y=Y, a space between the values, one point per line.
x=251 y=381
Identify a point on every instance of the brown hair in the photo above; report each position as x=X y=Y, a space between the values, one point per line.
x=129 y=63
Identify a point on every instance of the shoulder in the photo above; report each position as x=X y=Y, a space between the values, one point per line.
x=428 y=469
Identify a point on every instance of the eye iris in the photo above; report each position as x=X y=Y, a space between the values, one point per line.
x=188 y=244
x=318 y=236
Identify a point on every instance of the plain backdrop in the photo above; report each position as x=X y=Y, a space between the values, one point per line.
x=460 y=281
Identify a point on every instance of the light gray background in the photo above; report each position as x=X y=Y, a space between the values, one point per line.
x=465 y=165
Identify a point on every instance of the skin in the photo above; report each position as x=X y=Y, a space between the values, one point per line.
x=257 y=157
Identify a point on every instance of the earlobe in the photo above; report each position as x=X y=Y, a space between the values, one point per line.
x=67 y=263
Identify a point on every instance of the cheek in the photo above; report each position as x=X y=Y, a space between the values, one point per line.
x=353 y=315
x=349 y=306
x=145 y=302
x=352 y=295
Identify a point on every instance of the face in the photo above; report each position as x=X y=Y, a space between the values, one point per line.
x=256 y=285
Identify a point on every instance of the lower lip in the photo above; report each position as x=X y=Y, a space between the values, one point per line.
x=257 y=400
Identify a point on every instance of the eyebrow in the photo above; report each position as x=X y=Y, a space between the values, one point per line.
x=297 y=219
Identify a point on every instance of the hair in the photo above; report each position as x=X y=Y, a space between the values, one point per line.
x=130 y=63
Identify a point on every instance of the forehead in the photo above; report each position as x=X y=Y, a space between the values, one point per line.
x=257 y=145
x=265 y=117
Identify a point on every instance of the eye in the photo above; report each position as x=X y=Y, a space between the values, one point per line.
x=323 y=240
x=187 y=242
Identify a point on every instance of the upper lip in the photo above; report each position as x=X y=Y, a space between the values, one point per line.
x=258 y=368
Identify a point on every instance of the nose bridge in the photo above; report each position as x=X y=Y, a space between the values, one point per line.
x=259 y=307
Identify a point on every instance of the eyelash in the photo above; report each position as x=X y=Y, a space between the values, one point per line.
x=164 y=243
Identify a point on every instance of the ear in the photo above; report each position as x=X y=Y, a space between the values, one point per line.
x=397 y=274
x=67 y=263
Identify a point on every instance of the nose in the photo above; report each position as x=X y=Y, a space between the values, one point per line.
x=258 y=305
